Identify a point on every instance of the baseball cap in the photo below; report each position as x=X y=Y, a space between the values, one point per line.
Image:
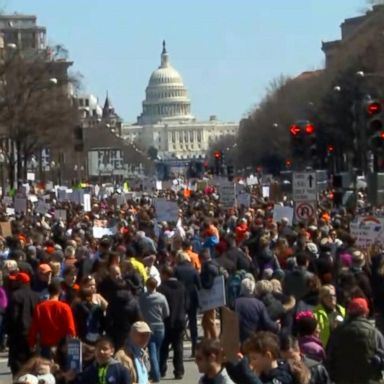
x=27 y=379
x=141 y=327
x=358 y=307
x=21 y=276
x=45 y=268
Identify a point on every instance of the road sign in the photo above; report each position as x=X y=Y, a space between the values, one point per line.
x=305 y=210
x=304 y=186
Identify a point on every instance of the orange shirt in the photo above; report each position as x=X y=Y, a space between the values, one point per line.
x=52 y=322
x=195 y=261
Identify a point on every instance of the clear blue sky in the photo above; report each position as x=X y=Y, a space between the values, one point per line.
x=226 y=50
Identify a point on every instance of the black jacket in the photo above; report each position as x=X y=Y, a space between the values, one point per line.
x=19 y=312
x=319 y=374
x=187 y=274
x=174 y=291
x=209 y=270
x=122 y=311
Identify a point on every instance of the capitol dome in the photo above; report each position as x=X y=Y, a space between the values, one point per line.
x=166 y=96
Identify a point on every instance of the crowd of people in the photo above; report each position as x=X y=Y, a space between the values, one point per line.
x=309 y=304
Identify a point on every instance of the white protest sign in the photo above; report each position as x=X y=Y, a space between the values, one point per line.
x=61 y=214
x=159 y=185
x=20 y=205
x=265 y=190
x=244 y=199
x=33 y=198
x=87 y=202
x=280 y=212
x=31 y=176
x=304 y=187
x=62 y=194
x=10 y=211
x=227 y=194
x=252 y=180
x=368 y=231
x=305 y=210
x=99 y=232
x=214 y=297
x=166 y=210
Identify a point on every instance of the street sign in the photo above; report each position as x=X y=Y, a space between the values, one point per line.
x=305 y=210
x=304 y=186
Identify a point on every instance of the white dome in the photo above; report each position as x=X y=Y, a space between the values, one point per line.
x=166 y=96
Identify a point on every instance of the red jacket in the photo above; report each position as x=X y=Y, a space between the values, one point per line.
x=52 y=322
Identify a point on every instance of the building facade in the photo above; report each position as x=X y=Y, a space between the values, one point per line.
x=166 y=122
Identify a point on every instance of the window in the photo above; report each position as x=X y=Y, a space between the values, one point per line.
x=87 y=102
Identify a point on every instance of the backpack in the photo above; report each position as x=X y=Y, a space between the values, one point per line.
x=234 y=287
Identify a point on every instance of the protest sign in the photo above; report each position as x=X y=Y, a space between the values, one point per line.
x=166 y=210
x=7 y=201
x=62 y=194
x=120 y=200
x=6 y=229
x=265 y=191
x=230 y=334
x=214 y=297
x=159 y=185
x=87 y=202
x=74 y=355
x=99 y=232
x=42 y=207
x=368 y=231
x=31 y=176
x=61 y=214
x=20 y=205
x=227 y=195
x=244 y=199
x=280 y=212
x=10 y=211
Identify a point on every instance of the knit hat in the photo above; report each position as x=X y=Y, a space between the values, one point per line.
x=21 y=276
x=358 y=307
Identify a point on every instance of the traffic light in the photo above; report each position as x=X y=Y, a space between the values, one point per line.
x=303 y=139
x=218 y=156
x=79 y=138
x=230 y=172
x=375 y=126
x=330 y=149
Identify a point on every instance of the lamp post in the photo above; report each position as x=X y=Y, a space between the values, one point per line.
x=3 y=179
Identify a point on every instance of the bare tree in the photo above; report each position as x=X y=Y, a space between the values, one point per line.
x=36 y=107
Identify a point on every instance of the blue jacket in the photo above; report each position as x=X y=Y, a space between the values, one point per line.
x=116 y=374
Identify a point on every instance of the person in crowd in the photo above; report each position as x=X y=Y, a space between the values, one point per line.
x=105 y=368
x=308 y=332
x=263 y=352
x=209 y=271
x=134 y=356
x=252 y=313
x=18 y=319
x=42 y=280
x=154 y=308
x=52 y=323
x=175 y=293
x=188 y=275
x=328 y=313
x=186 y=247
x=43 y=369
x=295 y=282
x=122 y=312
x=69 y=288
x=290 y=350
x=209 y=359
x=88 y=283
x=355 y=353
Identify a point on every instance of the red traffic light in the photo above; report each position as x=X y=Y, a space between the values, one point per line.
x=373 y=108
x=381 y=135
x=295 y=130
x=217 y=155
x=330 y=148
x=288 y=163
x=309 y=129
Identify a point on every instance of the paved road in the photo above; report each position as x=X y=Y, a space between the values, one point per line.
x=191 y=373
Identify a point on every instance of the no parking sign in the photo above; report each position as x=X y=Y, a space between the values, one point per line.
x=305 y=210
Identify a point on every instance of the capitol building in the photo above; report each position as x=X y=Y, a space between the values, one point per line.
x=166 y=122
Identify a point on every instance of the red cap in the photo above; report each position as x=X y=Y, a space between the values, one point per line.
x=358 y=307
x=21 y=276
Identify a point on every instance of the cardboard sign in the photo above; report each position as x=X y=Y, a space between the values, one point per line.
x=166 y=210
x=6 y=228
x=74 y=355
x=20 y=205
x=214 y=297
x=230 y=334
x=280 y=212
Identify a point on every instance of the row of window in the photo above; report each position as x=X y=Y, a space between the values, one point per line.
x=163 y=95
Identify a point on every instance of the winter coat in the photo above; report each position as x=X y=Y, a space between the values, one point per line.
x=312 y=347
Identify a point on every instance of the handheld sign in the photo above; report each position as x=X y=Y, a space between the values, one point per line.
x=74 y=355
